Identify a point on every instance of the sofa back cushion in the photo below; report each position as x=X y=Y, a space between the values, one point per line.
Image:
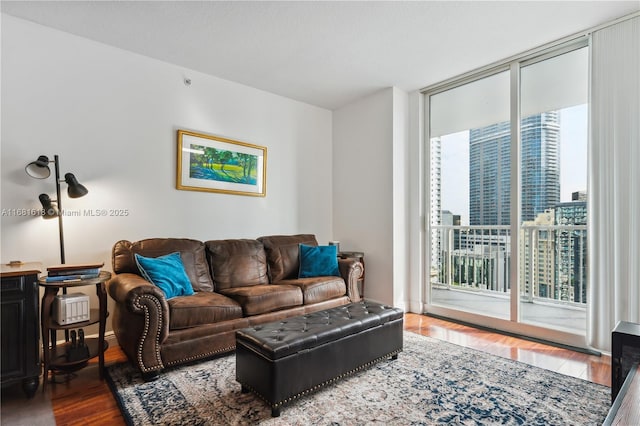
x=237 y=263
x=282 y=254
x=192 y=253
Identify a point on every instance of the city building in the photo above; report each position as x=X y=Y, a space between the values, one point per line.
x=489 y=175
x=484 y=267
x=537 y=257
x=553 y=250
x=490 y=169
x=571 y=251
x=435 y=212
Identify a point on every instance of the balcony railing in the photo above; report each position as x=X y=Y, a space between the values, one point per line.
x=553 y=261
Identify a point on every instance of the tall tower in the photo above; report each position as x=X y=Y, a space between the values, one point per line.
x=436 y=207
x=540 y=163
x=489 y=175
x=490 y=169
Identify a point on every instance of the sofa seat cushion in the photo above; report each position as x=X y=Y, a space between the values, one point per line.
x=318 y=289
x=260 y=299
x=201 y=308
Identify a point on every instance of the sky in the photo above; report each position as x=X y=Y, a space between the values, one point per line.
x=573 y=162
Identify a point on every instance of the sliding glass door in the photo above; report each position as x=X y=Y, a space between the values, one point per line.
x=470 y=154
x=507 y=189
x=553 y=176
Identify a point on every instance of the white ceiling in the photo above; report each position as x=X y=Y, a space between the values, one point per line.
x=324 y=53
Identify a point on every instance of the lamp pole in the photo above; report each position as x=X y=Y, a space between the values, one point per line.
x=56 y=163
x=60 y=211
x=40 y=169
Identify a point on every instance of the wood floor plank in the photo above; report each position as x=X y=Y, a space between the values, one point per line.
x=593 y=368
x=87 y=400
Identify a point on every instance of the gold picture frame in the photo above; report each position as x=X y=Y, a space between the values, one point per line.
x=215 y=164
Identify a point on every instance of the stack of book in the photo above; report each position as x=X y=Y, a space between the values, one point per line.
x=69 y=273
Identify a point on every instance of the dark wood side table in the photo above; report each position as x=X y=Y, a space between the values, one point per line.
x=359 y=256
x=625 y=351
x=20 y=342
x=54 y=355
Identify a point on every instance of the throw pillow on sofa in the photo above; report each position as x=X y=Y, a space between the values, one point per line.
x=166 y=272
x=318 y=261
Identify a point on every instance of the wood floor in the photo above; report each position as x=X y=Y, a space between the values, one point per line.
x=87 y=400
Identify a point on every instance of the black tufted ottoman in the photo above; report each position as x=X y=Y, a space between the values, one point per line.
x=283 y=360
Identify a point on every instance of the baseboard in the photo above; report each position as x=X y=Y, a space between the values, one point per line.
x=519 y=336
x=110 y=337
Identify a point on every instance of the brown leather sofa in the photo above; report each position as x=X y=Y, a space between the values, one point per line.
x=237 y=284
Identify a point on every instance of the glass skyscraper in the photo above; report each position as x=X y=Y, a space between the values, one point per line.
x=490 y=169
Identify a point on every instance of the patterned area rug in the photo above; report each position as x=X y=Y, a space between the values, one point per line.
x=431 y=382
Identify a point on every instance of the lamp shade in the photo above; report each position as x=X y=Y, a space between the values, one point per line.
x=39 y=169
x=48 y=209
x=76 y=189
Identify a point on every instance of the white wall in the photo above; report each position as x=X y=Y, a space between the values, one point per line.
x=112 y=117
x=365 y=161
x=400 y=198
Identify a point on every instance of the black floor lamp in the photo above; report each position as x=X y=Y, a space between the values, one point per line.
x=39 y=169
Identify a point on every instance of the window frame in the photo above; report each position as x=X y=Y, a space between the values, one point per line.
x=513 y=65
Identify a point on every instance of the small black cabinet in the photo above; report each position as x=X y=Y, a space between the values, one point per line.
x=625 y=351
x=20 y=326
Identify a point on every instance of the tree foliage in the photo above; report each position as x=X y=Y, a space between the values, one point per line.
x=212 y=158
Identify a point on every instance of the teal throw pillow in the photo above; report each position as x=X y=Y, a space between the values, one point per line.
x=166 y=272
x=318 y=261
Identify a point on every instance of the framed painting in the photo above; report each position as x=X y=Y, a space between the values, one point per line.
x=215 y=164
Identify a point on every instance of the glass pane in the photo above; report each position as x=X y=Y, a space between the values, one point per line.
x=470 y=189
x=553 y=231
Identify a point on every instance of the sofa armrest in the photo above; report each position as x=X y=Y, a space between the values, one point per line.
x=141 y=320
x=351 y=271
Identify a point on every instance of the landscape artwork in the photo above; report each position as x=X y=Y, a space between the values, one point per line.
x=216 y=164
x=222 y=165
